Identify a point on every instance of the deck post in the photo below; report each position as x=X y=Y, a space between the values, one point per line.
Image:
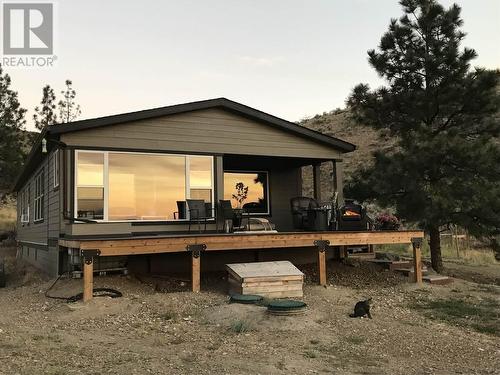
x=337 y=176
x=317 y=181
x=322 y=245
x=417 y=259
x=88 y=273
x=343 y=252
x=196 y=251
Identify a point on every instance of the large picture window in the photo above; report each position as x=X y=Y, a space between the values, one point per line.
x=247 y=190
x=90 y=185
x=123 y=186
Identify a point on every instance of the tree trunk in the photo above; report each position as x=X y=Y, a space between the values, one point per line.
x=435 y=247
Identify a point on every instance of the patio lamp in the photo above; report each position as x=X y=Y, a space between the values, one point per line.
x=44 y=146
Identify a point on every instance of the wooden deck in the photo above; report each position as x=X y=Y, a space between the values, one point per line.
x=196 y=244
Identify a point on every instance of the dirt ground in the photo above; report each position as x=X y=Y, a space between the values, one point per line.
x=158 y=327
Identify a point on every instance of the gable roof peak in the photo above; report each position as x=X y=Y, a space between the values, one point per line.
x=221 y=102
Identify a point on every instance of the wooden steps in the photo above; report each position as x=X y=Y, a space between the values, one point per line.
x=400 y=264
x=405 y=267
x=268 y=279
x=437 y=279
x=362 y=256
x=410 y=271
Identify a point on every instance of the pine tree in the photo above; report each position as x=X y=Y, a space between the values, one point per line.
x=11 y=135
x=443 y=115
x=46 y=115
x=69 y=110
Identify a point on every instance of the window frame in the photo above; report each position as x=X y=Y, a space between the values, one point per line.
x=39 y=197
x=266 y=190
x=55 y=166
x=106 y=183
x=25 y=206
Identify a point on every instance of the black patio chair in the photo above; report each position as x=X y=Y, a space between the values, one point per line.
x=199 y=212
x=181 y=210
x=225 y=213
x=301 y=216
x=246 y=222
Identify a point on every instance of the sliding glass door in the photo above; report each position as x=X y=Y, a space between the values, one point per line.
x=124 y=186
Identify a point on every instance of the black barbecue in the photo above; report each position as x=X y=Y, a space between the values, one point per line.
x=352 y=217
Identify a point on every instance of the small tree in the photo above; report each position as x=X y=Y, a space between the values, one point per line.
x=11 y=135
x=46 y=114
x=241 y=193
x=444 y=168
x=69 y=110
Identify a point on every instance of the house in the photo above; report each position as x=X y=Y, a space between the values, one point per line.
x=120 y=178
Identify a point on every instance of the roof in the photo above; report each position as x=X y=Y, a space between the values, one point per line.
x=222 y=103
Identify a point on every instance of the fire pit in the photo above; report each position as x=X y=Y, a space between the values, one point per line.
x=352 y=217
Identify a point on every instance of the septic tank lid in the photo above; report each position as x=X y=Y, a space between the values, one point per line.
x=286 y=307
x=245 y=298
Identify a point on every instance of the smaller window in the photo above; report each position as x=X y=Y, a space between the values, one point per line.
x=55 y=165
x=25 y=206
x=247 y=190
x=39 y=197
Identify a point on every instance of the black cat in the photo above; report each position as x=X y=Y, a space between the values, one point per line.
x=361 y=309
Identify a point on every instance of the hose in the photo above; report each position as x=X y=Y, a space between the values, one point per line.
x=96 y=292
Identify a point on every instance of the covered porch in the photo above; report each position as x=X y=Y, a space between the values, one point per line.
x=197 y=244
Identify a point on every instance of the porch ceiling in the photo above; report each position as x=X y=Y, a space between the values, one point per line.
x=232 y=161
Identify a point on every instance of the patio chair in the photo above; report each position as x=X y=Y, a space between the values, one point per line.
x=198 y=213
x=226 y=215
x=300 y=212
x=181 y=210
x=247 y=223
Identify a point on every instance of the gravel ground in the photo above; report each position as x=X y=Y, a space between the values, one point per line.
x=158 y=327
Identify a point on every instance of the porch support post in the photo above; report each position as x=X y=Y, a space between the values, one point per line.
x=195 y=274
x=343 y=252
x=417 y=259
x=322 y=245
x=337 y=183
x=219 y=189
x=196 y=251
x=88 y=280
x=317 y=181
x=88 y=273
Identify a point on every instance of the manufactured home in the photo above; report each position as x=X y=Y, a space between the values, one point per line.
x=212 y=175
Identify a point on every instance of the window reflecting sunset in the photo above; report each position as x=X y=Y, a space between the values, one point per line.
x=145 y=187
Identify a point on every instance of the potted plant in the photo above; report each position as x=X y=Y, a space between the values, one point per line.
x=386 y=221
x=240 y=196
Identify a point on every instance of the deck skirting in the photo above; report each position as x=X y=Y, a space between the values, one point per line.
x=199 y=243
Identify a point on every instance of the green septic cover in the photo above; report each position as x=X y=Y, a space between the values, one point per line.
x=245 y=298
x=286 y=304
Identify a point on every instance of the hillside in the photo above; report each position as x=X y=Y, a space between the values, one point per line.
x=339 y=124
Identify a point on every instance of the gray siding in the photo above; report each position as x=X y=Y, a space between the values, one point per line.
x=35 y=237
x=44 y=259
x=36 y=232
x=284 y=184
x=209 y=131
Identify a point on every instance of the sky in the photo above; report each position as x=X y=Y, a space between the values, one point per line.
x=290 y=58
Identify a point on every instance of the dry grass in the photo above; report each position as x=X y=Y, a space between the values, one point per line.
x=471 y=256
x=481 y=315
x=7 y=216
x=241 y=326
